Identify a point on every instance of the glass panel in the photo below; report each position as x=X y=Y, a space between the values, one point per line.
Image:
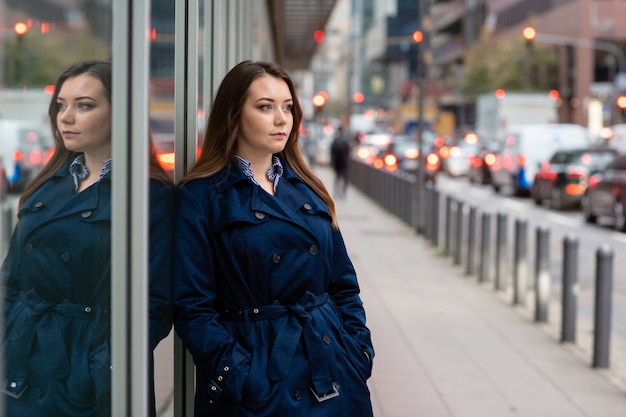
x=56 y=273
x=162 y=128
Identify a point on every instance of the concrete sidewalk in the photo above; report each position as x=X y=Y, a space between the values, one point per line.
x=447 y=346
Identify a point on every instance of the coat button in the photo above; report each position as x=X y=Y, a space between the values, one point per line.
x=313 y=250
x=326 y=339
x=38 y=393
x=259 y=215
x=85 y=214
x=275 y=258
x=38 y=204
x=14 y=336
x=28 y=247
x=307 y=207
x=297 y=395
x=65 y=256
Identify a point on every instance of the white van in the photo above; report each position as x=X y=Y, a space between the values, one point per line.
x=524 y=148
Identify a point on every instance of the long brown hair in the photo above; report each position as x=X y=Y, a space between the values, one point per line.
x=100 y=70
x=223 y=125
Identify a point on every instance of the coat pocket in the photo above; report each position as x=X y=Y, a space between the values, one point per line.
x=100 y=370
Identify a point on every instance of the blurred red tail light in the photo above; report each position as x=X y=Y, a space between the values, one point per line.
x=17 y=156
x=432 y=162
x=35 y=157
x=166 y=160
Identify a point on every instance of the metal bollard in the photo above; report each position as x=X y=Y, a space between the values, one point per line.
x=602 y=325
x=448 y=225
x=428 y=226
x=485 y=243
x=520 y=261
x=435 y=217
x=7 y=228
x=471 y=240
x=501 y=250
x=570 y=288
x=459 y=233
x=542 y=273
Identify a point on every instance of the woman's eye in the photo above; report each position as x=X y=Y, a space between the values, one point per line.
x=60 y=105
x=288 y=108
x=84 y=106
x=265 y=107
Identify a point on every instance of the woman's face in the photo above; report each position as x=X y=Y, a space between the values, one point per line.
x=84 y=116
x=266 y=118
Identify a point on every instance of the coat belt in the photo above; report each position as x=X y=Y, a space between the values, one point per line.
x=40 y=325
x=298 y=323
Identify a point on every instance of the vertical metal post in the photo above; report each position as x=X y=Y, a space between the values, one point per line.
x=485 y=244
x=520 y=261
x=435 y=216
x=542 y=273
x=6 y=228
x=448 y=225
x=471 y=240
x=420 y=77
x=570 y=288
x=501 y=250
x=459 y=233
x=426 y=215
x=603 y=306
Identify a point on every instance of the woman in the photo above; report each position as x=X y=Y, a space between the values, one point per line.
x=265 y=296
x=57 y=274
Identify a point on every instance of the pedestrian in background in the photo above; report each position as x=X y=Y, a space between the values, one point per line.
x=266 y=298
x=339 y=158
x=57 y=274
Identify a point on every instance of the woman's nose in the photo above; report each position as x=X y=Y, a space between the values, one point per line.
x=281 y=117
x=66 y=115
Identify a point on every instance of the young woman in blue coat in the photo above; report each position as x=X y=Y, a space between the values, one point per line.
x=266 y=298
x=57 y=274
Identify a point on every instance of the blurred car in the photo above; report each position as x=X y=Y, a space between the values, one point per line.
x=457 y=160
x=479 y=163
x=562 y=180
x=526 y=147
x=371 y=145
x=403 y=154
x=605 y=196
x=25 y=147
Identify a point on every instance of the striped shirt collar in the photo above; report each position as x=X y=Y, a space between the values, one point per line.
x=273 y=174
x=78 y=169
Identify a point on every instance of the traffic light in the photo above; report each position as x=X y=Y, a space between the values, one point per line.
x=529 y=34
x=20 y=29
x=319 y=99
x=318 y=36
x=418 y=36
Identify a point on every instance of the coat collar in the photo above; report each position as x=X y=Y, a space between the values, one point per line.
x=231 y=175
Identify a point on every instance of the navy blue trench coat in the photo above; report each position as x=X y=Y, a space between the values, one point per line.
x=267 y=301
x=57 y=297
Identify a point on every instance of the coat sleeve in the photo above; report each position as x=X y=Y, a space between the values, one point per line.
x=160 y=266
x=220 y=361
x=344 y=290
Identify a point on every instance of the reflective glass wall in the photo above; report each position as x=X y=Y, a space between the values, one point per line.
x=189 y=47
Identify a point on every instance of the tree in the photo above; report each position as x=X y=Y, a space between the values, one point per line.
x=494 y=63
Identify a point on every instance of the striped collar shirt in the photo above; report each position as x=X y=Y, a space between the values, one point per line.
x=273 y=174
x=79 y=170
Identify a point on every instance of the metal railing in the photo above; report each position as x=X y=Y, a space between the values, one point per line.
x=397 y=193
